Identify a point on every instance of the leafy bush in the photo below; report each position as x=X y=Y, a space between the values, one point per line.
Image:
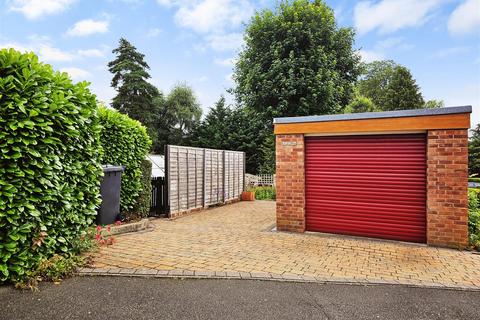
x=360 y=104
x=49 y=163
x=125 y=142
x=265 y=193
x=474 y=217
x=142 y=205
x=52 y=269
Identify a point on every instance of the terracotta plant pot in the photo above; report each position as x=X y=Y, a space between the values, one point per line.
x=248 y=196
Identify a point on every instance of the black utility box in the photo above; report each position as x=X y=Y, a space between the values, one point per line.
x=109 y=210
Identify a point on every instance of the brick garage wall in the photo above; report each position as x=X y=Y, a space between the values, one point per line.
x=447 y=179
x=290 y=182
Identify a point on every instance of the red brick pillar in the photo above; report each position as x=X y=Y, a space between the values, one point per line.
x=290 y=182
x=447 y=180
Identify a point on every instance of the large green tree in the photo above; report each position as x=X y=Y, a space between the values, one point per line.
x=474 y=152
x=135 y=97
x=402 y=91
x=390 y=86
x=214 y=131
x=296 y=61
x=232 y=129
x=177 y=117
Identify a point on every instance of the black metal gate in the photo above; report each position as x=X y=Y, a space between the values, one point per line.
x=159 y=197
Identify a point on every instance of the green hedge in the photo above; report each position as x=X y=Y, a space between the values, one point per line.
x=265 y=193
x=142 y=205
x=125 y=142
x=49 y=163
x=474 y=217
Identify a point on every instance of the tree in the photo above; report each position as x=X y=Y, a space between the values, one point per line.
x=296 y=61
x=389 y=86
x=474 y=152
x=402 y=91
x=244 y=134
x=267 y=155
x=231 y=129
x=375 y=79
x=135 y=95
x=213 y=130
x=178 y=116
x=360 y=104
x=432 y=104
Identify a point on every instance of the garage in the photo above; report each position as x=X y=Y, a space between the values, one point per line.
x=369 y=185
x=398 y=175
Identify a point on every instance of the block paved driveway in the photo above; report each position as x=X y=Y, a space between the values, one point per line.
x=236 y=240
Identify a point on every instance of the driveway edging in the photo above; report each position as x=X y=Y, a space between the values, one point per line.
x=188 y=274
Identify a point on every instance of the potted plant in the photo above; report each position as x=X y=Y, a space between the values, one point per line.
x=248 y=194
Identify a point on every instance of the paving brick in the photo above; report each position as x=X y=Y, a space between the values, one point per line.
x=207 y=274
x=232 y=238
x=126 y=271
x=146 y=272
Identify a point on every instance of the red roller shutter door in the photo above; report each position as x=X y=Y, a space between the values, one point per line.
x=371 y=185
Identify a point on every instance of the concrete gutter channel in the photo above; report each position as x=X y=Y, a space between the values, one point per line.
x=228 y=275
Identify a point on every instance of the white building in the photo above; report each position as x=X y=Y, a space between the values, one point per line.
x=158 y=165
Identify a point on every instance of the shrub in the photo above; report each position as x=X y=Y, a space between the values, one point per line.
x=360 y=104
x=125 y=142
x=474 y=217
x=264 y=193
x=142 y=205
x=49 y=164
x=53 y=269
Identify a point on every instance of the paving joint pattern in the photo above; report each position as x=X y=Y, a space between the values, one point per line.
x=230 y=242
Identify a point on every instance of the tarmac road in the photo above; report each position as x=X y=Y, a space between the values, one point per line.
x=153 y=298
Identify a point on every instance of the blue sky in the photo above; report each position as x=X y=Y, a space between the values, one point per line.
x=196 y=41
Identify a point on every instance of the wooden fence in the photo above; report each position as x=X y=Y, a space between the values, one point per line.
x=198 y=177
x=158 y=204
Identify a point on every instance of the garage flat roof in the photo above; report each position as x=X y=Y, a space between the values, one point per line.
x=375 y=115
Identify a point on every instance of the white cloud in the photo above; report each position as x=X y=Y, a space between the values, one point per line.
x=388 y=16
x=389 y=42
x=465 y=18
x=202 y=79
x=153 y=32
x=50 y=54
x=213 y=15
x=370 y=55
x=167 y=3
x=16 y=46
x=229 y=62
x=214 y=19
x=42 y=46
x=76 y=73
x=443 y=53
x=33 y=9
x=225 y=42
x=88 y=27
x=91 y=53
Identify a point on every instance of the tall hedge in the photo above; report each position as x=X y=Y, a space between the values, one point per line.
x=125 y=142
x=142 y=206
x=49 y=163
